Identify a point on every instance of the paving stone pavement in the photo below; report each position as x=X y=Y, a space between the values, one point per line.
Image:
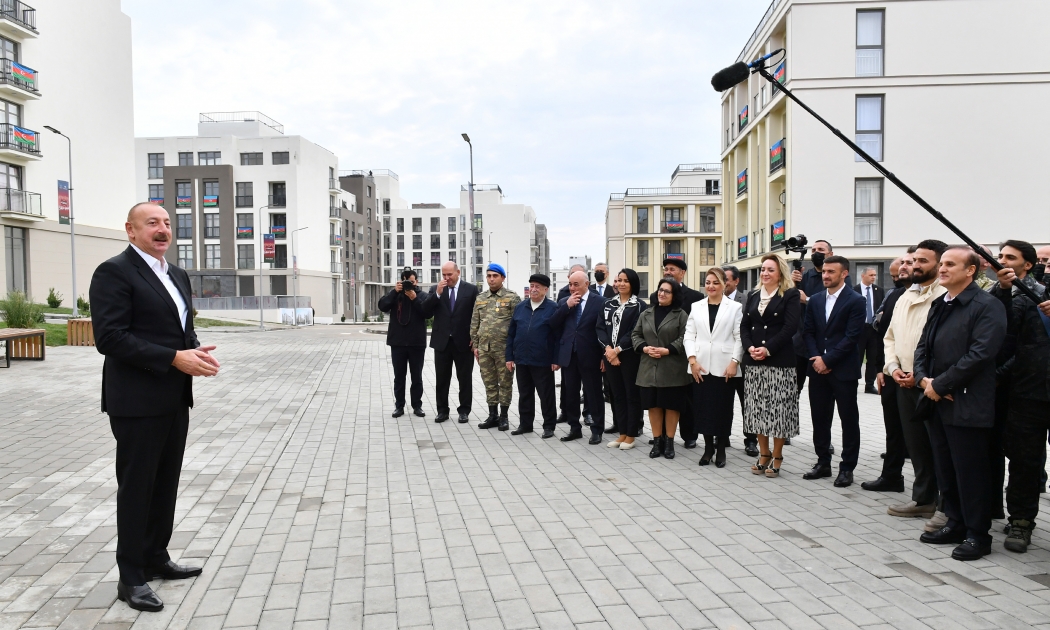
x=310 y=507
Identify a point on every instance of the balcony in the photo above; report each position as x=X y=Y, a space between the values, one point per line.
x=276 y=201
x=672 y=227
x=17 y=19
x=777 y=155
x=18 y=81
x=17 y=142
x=667 y=191
x=335 y=269
x=335 y=240
x=335 y=213
x=707 y=167
x=333 y=184
x=21 y=205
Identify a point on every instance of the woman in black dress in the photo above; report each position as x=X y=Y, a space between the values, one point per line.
x=621 y=361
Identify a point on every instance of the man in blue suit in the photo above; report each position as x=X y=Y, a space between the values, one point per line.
x=580 y=355
x=833 y=325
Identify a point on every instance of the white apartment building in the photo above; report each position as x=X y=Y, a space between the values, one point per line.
x=67 y=66
x=644 y=226
x=238 y=179
x=940 y=92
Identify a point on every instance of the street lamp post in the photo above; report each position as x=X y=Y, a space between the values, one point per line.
x=262 y=255
x=473 y=229
x=490 y=246
x=72 y=227
x=295 y=276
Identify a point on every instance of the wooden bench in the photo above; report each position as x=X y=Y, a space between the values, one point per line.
x=23 y=344
x=79 y=332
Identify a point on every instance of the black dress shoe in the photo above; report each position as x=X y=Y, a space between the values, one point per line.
x=652 y=441
x=139 y=597
x=398 y=412
x=547 y=433
x=441 y=417
x=884 y=485
x=970 y=549
x=595 y=439
x=751 y=449
x=819 y=471
x=668 y=447
x=172 y=571
x=464 y=418
x=845 y=479
x=588 y=420
x=561 y=419
x=611 y=430
x=944 y=536
x=519 y=431
x=870 y=389
x=573 y=435
x=787 y=441
x=720 y=456
x=690 y=444
x=418 y=411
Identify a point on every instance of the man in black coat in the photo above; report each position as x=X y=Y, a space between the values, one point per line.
x=870 y=344
x=451 y=304
x=955 y=367
x=834 y=320
x=579 y=355
x=563 y=293
x=406 y=334
x=141 y=311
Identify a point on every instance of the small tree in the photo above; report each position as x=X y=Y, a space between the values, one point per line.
x=83 y=306
x=18 y=311
x=54 y=299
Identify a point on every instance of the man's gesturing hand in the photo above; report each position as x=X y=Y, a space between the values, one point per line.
x=196 y=362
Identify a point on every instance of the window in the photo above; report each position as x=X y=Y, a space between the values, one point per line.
x=184 y=226
x=643 y=283
x=672 y=247
x=245 y=225
x=246 y=284
x=183 y=194
x=246 y=256
x=452 y=256
x=400 y=241
x=370 y=257
x=452 y=241
x=435 y=241
x=185 y=158
x=478 y=223
x=8 y=49
x=156 y=191
x=643 y=221
x=186 y=256
x=386 y=224
x=11 y=114
x=869 y=126
x=417 y=259
x=435 y=259
x=212 y=256
x=417 y=224
x=417 y=242
x=707 y=252
x=251 y=159
x=277 y=225
x=870 y=32
x=462 y=221
x=369 y=192
x=452 y=224
x=245 y=198
x=15 y=256
x=401 y=259
x=211 y=286
x=278 y=285
x=386 y=206
x=400 y=225
x=277 y=194
x=435 y=224
x=156 y=165
x=211 y=189
x=209 y=158
x=707 y=219
x=211 y=225
x=643 y=253
x=280 y=256
x=867 y=219
x=386 y=241
x=386 y=259
x=280 y=157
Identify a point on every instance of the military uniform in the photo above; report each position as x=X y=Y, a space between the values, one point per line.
x=488 y=334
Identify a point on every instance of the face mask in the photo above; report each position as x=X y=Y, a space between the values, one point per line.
x=599 y=276
x=1039 y=271
x=818 y=259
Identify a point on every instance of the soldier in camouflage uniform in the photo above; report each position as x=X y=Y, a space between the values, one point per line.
x=493 y=311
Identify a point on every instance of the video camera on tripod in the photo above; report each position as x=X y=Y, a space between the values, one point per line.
x=797 y=244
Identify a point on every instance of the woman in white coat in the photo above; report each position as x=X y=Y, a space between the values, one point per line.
x=712 y=344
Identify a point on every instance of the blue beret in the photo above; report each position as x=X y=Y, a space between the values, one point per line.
x=497 y=268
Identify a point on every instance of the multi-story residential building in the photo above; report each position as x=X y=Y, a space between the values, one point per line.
x=685 y=220
x=542 y=250
x=363 y=272
x=239 y=178
x=878 y=71
x=389 y=186
x=43 y=87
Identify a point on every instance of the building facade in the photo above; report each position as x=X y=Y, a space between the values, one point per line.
x=238 y=179
x=43 y=66
x=363 y=271
x=684 y=220
x=878 y=72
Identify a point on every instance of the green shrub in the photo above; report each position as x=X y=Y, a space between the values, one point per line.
x=54 y=299
x=380 y=319
x=18 y=311
x=366 y=318
x=83 y=306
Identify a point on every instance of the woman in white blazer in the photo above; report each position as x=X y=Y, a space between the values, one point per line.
x=712 y=344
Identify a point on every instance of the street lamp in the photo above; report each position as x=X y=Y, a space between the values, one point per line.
x=473 y=230
x=262 y=255
x=72 y=230
x=295 y=276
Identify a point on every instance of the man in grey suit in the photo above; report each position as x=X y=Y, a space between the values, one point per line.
x=731 y=292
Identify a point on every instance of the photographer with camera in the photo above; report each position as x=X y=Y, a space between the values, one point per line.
x=406 y=334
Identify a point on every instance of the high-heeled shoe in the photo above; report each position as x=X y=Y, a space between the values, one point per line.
x=709 y=450
x=759 y=468
x=658 y=447
x=771 y=472
x=720 y=455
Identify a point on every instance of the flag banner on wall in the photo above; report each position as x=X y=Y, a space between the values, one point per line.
x=63 y=202
x=157 y=200
x=25 y=137
x=183 y=202
x=776 y=156
x=675 y=255
x=743 y=117
x=269 y=248
x=244 y=231
x=24 y=74
x=675 y=226
x=277 y=230
x=211 y=201
x=741 y=182
x=741 y=247
x=777 y=232
x=779 y=75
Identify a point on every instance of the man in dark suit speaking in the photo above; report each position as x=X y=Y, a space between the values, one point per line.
x=580 y=355
x=451 y=304
x=141 y=312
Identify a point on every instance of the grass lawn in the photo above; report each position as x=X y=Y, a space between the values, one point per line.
x=204 y=322
x=56 y=333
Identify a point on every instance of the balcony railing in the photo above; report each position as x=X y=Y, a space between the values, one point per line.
x=21 y=77
x=335 y=212
x=481 y=188
x=20 y=201
x=244 y=201
x=335 y=239
x=661 y=192
x=18 y=12
x=276 y=201
x=335 y=268
x=706 y=167
x=672 y=227
x=333 y=183
x=15 y=138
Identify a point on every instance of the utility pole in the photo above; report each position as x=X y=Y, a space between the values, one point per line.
x=72 y=225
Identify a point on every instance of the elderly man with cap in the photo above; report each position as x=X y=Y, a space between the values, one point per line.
x=493 y=311
x=531 y=342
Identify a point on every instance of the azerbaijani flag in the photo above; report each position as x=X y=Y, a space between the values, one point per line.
x=778 y=74
x=277 y=230
x=183 y=201
x=26 y=137
x=741 y=181
x=157 y=200
x=675 y=256
x=675 y=225
x=743 y=117
x=246 y=231
x=778 y=231
x=742 y=246
x=210 y=201
x=774 y=151
x=24 y=74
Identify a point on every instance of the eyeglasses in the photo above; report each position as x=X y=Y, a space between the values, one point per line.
x=664 y=292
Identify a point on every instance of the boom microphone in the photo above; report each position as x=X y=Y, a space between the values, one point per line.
x=738 y=72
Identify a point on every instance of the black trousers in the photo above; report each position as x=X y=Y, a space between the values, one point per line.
x=590 y=376
x=403 y=358
x=738 y=384
x=801 y=370
x=896 y=447
x=149 y=461
x=870 y=347
x=1024 y=441
x=687 y=420
x=626 y=399
x=463 y=359
x=538 y=379
x=825 y=393
x=917 y=439
x=961 y=456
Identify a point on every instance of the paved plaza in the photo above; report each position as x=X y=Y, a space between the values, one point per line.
x=309 y=507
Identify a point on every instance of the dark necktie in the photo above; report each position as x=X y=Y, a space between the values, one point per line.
x=870 y=310
x=452 y=298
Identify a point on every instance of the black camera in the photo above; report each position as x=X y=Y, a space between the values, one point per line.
x=797 y=243
x=407 y=285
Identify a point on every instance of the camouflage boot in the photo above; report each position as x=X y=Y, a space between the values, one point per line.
x=1019 y=536
x=492 y=421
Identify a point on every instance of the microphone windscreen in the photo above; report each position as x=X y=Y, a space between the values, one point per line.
x=728 y=77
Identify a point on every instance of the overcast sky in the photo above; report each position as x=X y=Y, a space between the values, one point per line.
x=565 y=102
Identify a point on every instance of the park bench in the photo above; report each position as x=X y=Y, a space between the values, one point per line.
x=25 y=344
x=79 y=332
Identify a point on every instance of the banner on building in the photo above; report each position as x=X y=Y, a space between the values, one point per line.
x=183 y=202
x=211 y=201
x=278 y=231
x=779 y=74
x=741 y=182
x=269 y=248
x=675 y=255
x=776 y=156
x=24 y=74
x=244 y=232
x=743 y=117
x=675 y=226
x=25 y=137
x=63 y=202
x=776 y=233
x=741 y=247
x=157 y=200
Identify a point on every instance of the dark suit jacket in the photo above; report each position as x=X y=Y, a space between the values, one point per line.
x=884 y=314
x=877 y=295
x=835 y=339
x=957 y=350
x=137 y=329
x=448 y=325
x=608 y=292
x=408 y=323
x=773 y=329
x=563 y=292
x=584 y=336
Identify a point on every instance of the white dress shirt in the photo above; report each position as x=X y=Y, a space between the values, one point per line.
x=160 y=267
x=731 y=296
x=829 y=304
x=600 y=289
